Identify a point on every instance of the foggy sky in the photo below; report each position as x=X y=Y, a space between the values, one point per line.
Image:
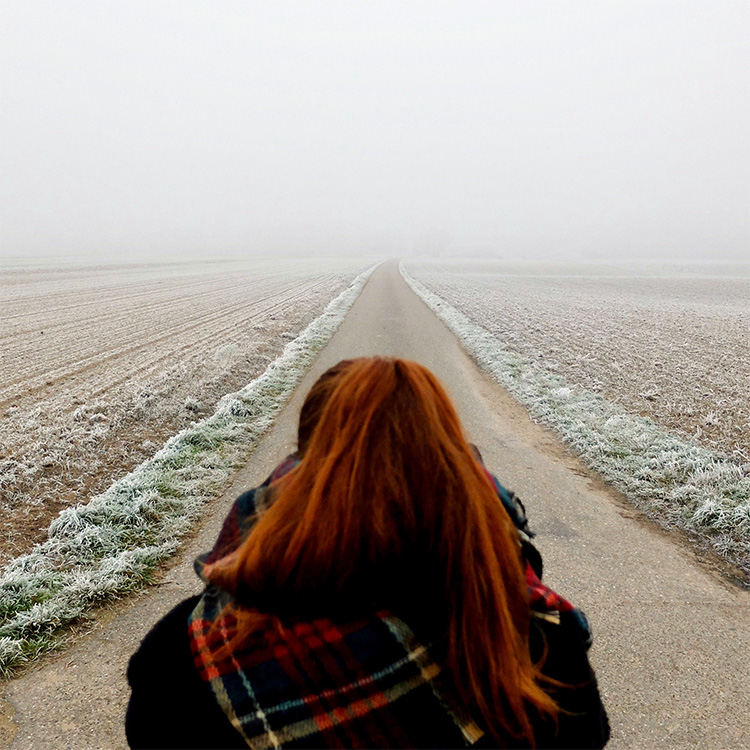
x=519 y=129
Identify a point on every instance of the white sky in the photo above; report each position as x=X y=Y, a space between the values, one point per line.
x=519 y=129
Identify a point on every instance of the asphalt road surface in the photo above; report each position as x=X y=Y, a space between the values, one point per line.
x=671 y=637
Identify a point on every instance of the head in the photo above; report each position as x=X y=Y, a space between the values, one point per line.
x=411 y=522
x=315 y=401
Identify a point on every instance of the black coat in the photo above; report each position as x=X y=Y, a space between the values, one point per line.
x=171 y=707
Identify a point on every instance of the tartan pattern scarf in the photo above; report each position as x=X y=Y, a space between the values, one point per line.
x=359 y=683
x=320 y=682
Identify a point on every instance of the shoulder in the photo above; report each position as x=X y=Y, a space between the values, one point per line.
x=162 y=643
x=242 y=516
x=170 y=706
x=560 y=640
x=249 y=506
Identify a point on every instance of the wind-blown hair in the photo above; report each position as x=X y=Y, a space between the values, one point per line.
x=389 y=507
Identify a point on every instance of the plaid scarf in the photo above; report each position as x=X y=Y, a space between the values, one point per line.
x=319 y=681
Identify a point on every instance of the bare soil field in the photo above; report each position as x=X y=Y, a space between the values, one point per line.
x=101 y=364
x=669 y=344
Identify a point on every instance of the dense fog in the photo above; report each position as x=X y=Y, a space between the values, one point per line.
x=573 y=131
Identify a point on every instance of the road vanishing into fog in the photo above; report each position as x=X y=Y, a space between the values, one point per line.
x=671 y=637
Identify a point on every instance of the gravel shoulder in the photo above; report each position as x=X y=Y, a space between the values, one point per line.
x=672 y=637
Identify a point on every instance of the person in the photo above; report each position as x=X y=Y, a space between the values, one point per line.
x=244 y=511
x=378 y=598
x=242 y=514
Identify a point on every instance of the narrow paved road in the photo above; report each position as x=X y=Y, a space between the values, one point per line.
x=672 y=640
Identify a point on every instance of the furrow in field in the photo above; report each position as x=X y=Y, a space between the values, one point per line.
x=135 y=340
x=157 y=310
x=120 y=375
x=199 y=344
x=56 y=309
x=95 y=378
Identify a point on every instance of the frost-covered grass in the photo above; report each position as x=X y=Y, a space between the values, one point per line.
x=112 y=545
x=677 y=482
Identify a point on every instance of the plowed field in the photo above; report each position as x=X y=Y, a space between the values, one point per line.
x=101 y=364
x=669 y=344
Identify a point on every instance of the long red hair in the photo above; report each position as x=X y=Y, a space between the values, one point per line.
x=388 y=486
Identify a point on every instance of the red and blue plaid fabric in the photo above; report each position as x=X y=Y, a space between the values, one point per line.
x=322 y=683
x=542 y=598
x=243 y=515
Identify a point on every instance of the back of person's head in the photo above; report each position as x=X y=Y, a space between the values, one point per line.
x=390 y=505
x=315 y=401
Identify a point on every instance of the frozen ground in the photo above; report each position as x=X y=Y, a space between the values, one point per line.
x=100 y=365
x=645 y=376
x=666 y=343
